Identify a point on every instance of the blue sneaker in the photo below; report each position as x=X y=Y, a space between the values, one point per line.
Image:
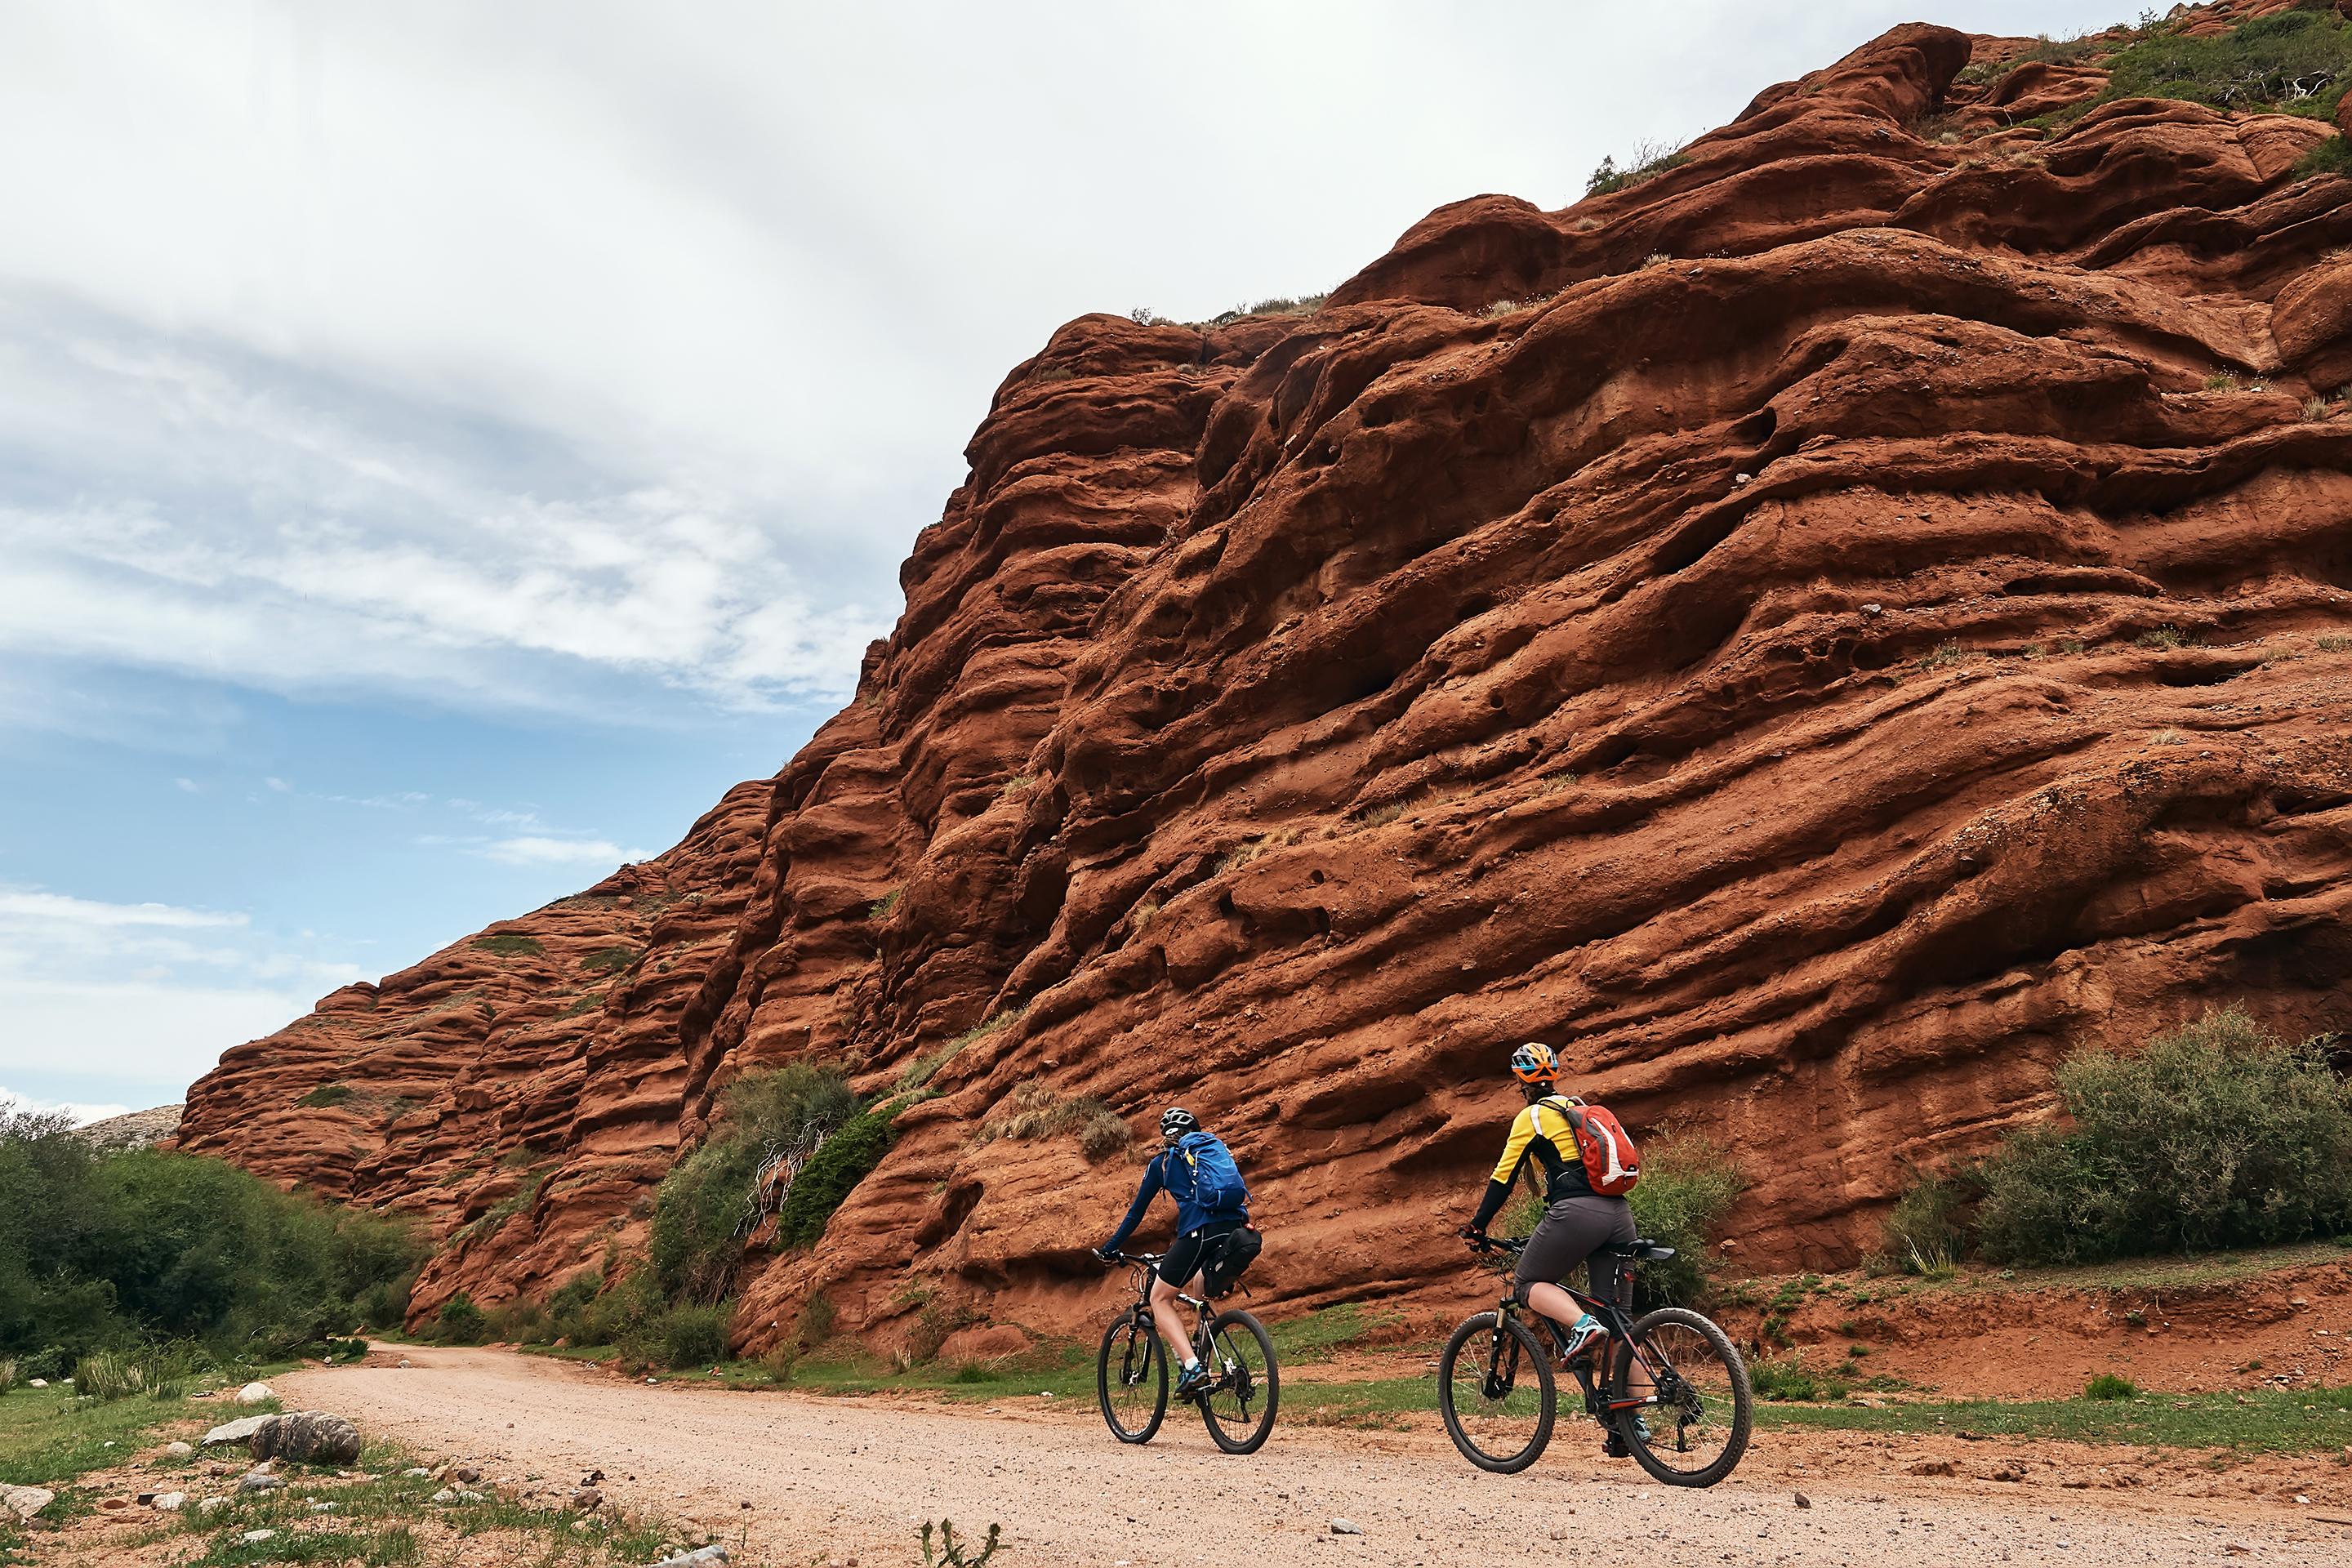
x=1194 y=1379
x=1589 y=1332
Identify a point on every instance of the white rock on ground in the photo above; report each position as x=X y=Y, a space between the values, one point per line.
x=25 y=1501
x=170 y=1502
x=212 y=1505
x=254 y=1394
x=178 y=1450
x=714 y=1553
x=255 y=1537
x=239 y=1431
x=259 y=1481
x=38 y=1383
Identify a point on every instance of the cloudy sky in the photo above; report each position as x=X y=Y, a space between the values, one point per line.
x=444 y=445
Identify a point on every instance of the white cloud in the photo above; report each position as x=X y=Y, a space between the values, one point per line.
x=186 y=786
x=134 y=1001
x=29 y=906
x=81 y=1114
x=278 y=785
x=538 y=851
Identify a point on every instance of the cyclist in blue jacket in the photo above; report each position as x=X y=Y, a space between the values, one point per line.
x=1212 y=1201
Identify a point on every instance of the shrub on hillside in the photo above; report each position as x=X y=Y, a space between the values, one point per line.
x=703 y=1208
x=2218 y=1134
x=689 y=1334
x=2296 y=60
x=841 y=1161
x=1927 y=1230
x=461 y=1322
x=106 y=1250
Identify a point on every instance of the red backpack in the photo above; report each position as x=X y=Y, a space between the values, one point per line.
x=1612 y=1164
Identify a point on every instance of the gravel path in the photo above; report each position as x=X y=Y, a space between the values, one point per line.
x=832 y=1479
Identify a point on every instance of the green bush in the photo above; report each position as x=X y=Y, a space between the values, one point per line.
x=2333 y=157
x=2108 y=1385
x=569 y=1308
x=2270 y=61
x=702 y=1206
x=689 y=1334
x=1650 y=159
x=1785 y=1380
x=1926 y=1229
x=840 y=1163
x=2218 y=1134
x=461 y=1322
x=519 y=1324
x=109 y=1250
x=327 y=1094
x=107 y=1375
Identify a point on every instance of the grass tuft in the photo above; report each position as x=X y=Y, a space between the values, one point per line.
x=1033 y=1113
x=1650 y=159
x=509 y=946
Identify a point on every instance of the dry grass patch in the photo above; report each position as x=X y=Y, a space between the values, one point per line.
x=1033 y=1111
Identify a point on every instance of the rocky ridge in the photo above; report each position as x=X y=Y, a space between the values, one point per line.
x=1814 y=633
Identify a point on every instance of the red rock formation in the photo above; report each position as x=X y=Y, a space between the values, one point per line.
x=1814 y=634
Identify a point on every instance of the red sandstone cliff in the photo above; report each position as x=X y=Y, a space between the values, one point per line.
x=1871 y=618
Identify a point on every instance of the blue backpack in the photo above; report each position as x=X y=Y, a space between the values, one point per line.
x=1217 y=1184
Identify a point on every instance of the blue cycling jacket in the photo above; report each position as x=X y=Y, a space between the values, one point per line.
x=1177 y=1178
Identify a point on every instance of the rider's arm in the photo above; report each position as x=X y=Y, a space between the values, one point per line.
x=1506 y=1169
x=1148 y=1190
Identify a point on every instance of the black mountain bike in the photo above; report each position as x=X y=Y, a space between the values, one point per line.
x=1131 y=1374
x=1674 y=1393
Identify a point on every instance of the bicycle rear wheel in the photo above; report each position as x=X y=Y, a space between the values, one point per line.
x=1495 y=1389
x=1131 y=1379
x=1239 y=1406
x=1698 y=1429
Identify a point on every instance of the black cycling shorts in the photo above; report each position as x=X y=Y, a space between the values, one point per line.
x=1183 y=1259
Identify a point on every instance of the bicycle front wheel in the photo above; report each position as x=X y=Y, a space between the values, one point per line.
x=1495 y=1389
x=1131 y=1379
x=1240 y=1402
x=1698 y=1428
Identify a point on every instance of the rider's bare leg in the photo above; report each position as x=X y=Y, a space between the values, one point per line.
x=1167 y=1312
x=1554 y=1302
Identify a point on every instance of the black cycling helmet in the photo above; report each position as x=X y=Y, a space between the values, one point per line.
x=1175 y=1122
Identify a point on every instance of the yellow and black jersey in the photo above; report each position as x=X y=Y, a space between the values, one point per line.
x=1541 y=1132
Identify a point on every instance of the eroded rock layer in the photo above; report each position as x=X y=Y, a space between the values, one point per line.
x=1814 y=634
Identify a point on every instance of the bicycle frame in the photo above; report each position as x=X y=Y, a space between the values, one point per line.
x=1146 y=1265
x=1601 y=1399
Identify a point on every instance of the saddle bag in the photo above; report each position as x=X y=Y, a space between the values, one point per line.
x=1229 y=1257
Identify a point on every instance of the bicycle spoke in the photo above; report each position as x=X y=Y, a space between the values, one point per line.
x=1496 y=1394
x=1692 y=1422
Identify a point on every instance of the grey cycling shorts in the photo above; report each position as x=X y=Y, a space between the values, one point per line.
x=1570 y=1232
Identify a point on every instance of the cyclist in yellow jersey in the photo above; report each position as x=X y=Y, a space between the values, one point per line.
x=1578 y=1222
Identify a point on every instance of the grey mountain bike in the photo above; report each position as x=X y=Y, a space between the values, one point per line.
x=1132 y=1371
x=1668 y=1385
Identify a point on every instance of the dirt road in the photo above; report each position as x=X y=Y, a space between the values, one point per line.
x=830 y=1479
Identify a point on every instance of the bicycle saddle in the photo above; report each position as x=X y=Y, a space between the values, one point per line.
x=1641 y=1249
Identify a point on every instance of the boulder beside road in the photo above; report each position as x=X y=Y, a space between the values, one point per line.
x=306 y=1436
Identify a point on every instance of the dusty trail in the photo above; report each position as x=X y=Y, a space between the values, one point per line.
x=832 y=1479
